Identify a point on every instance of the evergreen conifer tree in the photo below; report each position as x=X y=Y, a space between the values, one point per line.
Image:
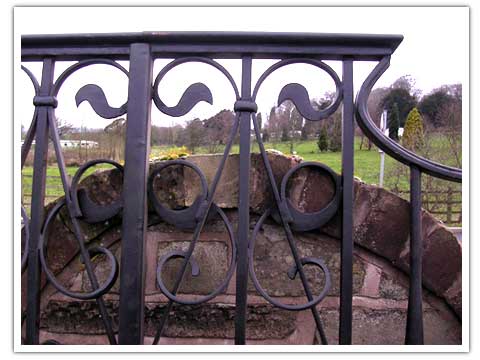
x=323 y=139
x=393 y=122
x=335 y=143
x=413 y=132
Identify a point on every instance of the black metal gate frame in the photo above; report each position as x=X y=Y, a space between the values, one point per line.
x=141 y=49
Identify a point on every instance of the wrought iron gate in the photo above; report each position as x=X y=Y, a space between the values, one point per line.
x=141 y=49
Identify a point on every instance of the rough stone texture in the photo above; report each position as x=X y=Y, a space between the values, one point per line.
x=217 y=321
x=104 y=187
x=375 y=322
x=62 y=245
x=211 y=258
x=102 y=268
x=212 y=253
x=310 y=190
x=391 y=289
x=374 y=226
x=226 y=195
x=442 y=262
x=261 y=196
x=62 y=239
x=453 y=295
x=273 y=259
x=169 y=186
x=381 y=222
x=387 y=327
x=74 y=317
x=210 y=320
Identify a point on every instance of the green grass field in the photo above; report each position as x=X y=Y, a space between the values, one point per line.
x=366 y=165
x=54 y=187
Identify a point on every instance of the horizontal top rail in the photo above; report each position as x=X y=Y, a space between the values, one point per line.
x=328 y=46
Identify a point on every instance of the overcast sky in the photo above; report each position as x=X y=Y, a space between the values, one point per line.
x=434 y=52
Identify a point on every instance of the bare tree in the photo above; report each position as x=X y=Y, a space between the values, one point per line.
x=63 y=127
x=375 y=109
x=273 y=125
x=451 y=117
x=407 y=82
x=115 y=138
x=292 y=121
x=194 y=134
x=217 y=129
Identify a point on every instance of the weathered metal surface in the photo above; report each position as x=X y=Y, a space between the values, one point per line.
x=141 y=49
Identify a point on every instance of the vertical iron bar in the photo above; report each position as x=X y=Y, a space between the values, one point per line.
x=414 y=333
x=37 y=208
x=137 y=149
x=345 y=328
x=243 y=208
x=27 y=144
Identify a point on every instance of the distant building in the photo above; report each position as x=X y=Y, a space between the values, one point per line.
x=78 y=143
x=84 y=144
x=400 y=132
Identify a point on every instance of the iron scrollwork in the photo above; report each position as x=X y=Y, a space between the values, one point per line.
x=192 y=218
x=195 y=215
x=26 y=232
x=203 y=207
x=283 y=211
x=418 y=165
x=76 y=201
x=185 y=47
x=80 y=206
x=25 y=149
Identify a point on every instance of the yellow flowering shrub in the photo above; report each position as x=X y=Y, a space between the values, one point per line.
x=172 y=153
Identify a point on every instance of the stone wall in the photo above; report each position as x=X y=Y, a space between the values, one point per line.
x=380 y=279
